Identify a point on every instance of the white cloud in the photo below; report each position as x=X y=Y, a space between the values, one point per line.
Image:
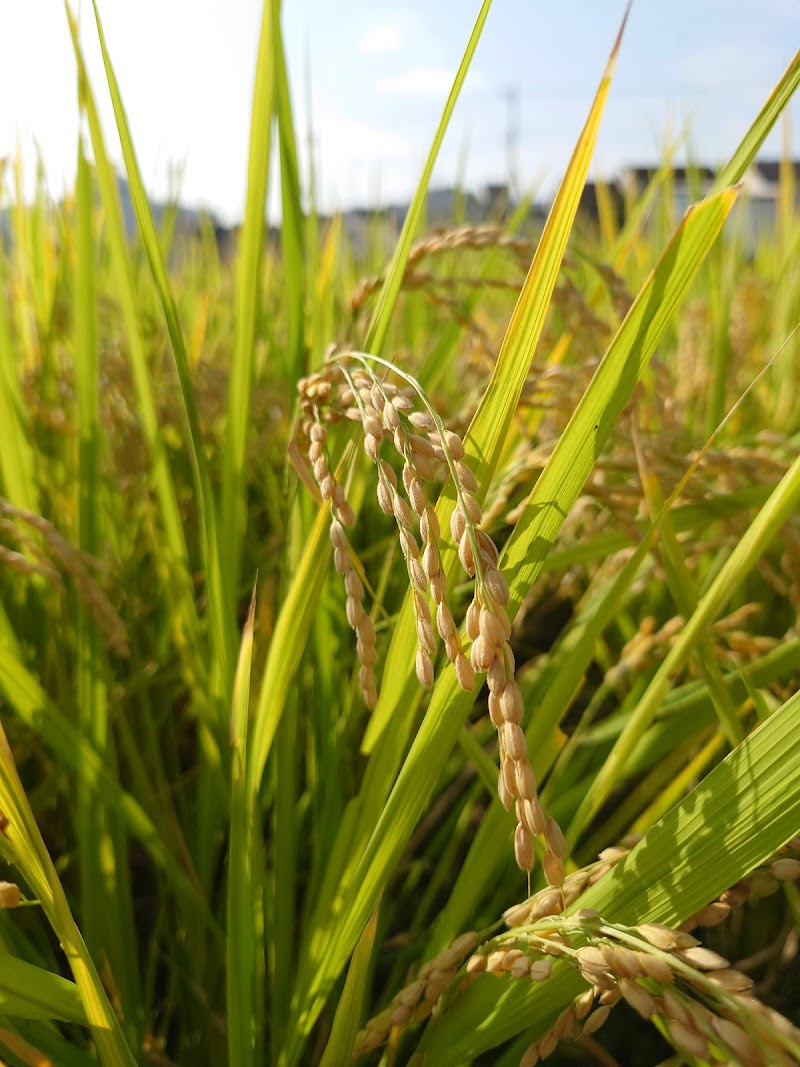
x=359 y=162
x=381 y=39
x=424 y=81
x=347 y=146
x=356 y=139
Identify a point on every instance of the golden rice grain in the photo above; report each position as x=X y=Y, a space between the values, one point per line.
x=424 y=668
x=596 y=1020
x=523 y=848
x=464 y=672
x=687 y=1039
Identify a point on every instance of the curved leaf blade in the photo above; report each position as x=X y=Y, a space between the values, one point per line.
x=739 y=815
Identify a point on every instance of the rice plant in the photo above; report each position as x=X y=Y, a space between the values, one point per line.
x=399 y=660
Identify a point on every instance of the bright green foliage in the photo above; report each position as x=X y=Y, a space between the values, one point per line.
x=224 y=858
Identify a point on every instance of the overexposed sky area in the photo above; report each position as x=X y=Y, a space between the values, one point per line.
x=371 y=79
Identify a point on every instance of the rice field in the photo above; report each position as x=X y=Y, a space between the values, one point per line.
x=399 y=659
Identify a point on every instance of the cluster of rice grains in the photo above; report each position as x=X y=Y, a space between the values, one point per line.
x=704 y=1007
x=402 y=420
x=31 y=545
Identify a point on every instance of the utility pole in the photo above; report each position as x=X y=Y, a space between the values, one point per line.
x=512 y=97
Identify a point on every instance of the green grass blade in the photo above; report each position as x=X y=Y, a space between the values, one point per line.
x=683 y=592
x=744 y=155
x=286 y=875
x=245 y=950
x=288 y=644
x=16 y=455
x=33 y=860
x=103 y=847
x=173 y=550
x=350 y=1007
x=28 y=992
x=221 y=601
x=384 y=309
x=489 y=428
x=292 y=217
x=248 y=293
x=591 y=424
x=781 y=505
x=46 y=1041
x=735 y=819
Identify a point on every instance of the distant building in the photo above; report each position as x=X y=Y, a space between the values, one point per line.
x=770 y=171
x=687 y=185
x=446 y=207
x=755 y=214
x=690 y=178
x=497 y=199
x=227 y=238
x=377 y=229
x=589 y=203
x=367 y=229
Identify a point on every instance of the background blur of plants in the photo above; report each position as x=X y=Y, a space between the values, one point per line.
x=223 y=860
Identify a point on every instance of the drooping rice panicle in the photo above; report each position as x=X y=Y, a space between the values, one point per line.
x=388 y=415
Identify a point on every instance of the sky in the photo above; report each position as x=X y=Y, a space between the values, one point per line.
x=369 y=80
